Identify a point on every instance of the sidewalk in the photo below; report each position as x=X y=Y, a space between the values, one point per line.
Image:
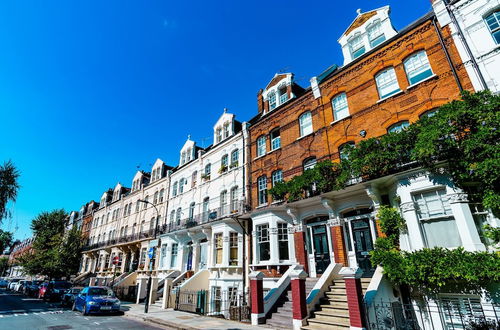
x=181 y=320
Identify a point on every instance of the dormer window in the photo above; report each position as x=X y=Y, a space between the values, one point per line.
x=375 y=34
x=218 y=135
x=272 y=101
x=183 y=158
x=356 y=46
x=188 y=154
x=283 y=96
x=226 y=130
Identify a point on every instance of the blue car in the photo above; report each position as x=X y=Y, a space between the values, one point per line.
x=96 y=299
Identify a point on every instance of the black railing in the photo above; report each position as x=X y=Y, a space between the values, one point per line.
x=227 y=210
x=446 y=313
x=232 y=305
x=122 y=239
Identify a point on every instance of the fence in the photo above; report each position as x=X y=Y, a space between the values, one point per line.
x=229 y=304
x=445 y=313
x=126 y=293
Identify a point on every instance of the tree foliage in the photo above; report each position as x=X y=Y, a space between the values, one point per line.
x=9 y=187
x=6 y=240
x=4 y=264
x=55 y=253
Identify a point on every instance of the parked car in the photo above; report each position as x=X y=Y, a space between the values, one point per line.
x=55 y=290
x=68 y=297
x=96 y=299
x=32 y=289
x=3 y=284
x=12 y=283
x=19 y=287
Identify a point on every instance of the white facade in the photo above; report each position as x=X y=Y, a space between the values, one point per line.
x=206 y=192
x=471 y=17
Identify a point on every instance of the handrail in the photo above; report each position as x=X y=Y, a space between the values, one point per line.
x=275 y=293
x=322 y=285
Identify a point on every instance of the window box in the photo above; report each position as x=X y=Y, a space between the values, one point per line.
x=223 y=169
x=205 y=177
x=233 y=165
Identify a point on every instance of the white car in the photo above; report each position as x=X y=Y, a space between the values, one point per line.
x=19 y=285
x=13 y=283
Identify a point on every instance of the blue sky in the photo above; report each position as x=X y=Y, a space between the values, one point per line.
x=89 y=90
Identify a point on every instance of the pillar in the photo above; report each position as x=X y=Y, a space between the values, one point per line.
x=465 y=222
x=299 y=237
x=299 y=304
x=167 y=289
x=196 y=256
x=338 y=245
x=154 y=290
x=354 y=296
x=257 y=297
x=142 y=284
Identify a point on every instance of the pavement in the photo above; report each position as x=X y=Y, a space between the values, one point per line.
x=18 y=312
x=171 y=319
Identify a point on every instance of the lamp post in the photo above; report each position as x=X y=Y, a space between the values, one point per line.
x=148 y=288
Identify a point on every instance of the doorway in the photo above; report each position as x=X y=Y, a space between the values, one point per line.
x=321 y=251
x=363 y=244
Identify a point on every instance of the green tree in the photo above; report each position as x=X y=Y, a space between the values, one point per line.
x=9 y=186
x=4 y=263
x=70 y=252
x=6 y=240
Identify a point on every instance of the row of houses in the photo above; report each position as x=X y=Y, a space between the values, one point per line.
x=207 y=230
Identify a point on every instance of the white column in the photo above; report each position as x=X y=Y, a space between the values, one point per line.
x=465 y=222
x=196 y=255
x=225 y=247
x=273 y=242
x=414 y=232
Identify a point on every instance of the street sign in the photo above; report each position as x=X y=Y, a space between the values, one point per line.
x=151 y=253
x=116 y=260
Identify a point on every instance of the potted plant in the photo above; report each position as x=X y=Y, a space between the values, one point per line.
x=205 y=177
x=223 y=169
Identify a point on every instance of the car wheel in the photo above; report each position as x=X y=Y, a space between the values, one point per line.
x=84 y=310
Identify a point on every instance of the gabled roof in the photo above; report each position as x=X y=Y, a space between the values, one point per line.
x=361 y=19
x=277 y=77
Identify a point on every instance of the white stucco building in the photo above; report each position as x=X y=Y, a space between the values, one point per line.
x=475 y=26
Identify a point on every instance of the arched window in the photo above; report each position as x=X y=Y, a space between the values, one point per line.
x=344 y=150
x=272 y=100
x=191 y=210
x=178 y=216
x=398 y=127
x=309 y=163
x=276 y=176
x=194 y=178
x=235 y=156
x=340 y=108
x=174 y=188
x=262 y=190
x=160 y=198
x=261 y=145
x=493 y=22
x=387 y=83
x=134 y=226
x=375 y=34
x=154 y=175
x=305 y=124
x=224 y=163
x=182 y=182
x=417 y=67
x=275 y=139
x=208 y=170
x=429 y=113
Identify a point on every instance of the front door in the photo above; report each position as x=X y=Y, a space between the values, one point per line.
x=203 y=255
x=189 y=263
x=321 y=252
x=363 y=244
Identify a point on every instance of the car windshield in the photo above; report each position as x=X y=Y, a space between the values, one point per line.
x=100 y=292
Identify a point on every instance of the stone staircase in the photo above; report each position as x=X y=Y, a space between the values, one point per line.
x=333 y=312
x=281 y=317
x=161 y=292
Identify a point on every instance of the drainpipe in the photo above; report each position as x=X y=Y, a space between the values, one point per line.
x=465 y=43
x=448 y=57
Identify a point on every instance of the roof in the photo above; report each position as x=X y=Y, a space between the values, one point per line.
x=361 y=19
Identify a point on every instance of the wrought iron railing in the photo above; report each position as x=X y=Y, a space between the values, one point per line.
x=122 y=239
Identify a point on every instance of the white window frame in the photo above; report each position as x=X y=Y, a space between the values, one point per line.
x=261 y=145
x=417 y=67
x=375 y=33
x=271 y=97
x=398 y=127
x=495 y=32
x=305 y=124
x=262 y=190
x=387 y=83
x=275 y=140
x=340 y=107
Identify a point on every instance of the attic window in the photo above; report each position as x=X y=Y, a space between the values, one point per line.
x=283 y=96
x=356 y=45
x=272 y=101
x=226 y=130
x=218 y=135
x=183 y=158
x=375 y=34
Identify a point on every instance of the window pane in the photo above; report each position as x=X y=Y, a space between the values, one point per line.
x=261 y=146
x=417 y=67
x=387 y=83
x=305 y=122
x=398 y=127
x=340 y=108
x=277 y=176
x=272 y=101
x=262 y=190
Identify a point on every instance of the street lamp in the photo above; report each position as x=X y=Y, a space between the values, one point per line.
x=148 y=288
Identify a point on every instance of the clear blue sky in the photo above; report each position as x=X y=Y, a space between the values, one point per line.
x=91 y=89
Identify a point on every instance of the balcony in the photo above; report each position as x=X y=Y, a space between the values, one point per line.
x=122 y=239
x=228 y=210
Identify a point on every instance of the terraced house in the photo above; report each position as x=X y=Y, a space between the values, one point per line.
x=322 y=242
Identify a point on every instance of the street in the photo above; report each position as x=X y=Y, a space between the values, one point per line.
x=20 y=312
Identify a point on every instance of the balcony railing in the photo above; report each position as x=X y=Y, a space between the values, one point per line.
x=227 y=210
x=122 y=239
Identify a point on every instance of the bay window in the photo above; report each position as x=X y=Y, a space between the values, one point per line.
x=283 y=241
x=263 y=243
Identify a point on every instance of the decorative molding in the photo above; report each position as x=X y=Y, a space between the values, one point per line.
x=458 y=198
x=328 y=204
x=293 y=214
x=335 y=222
x=374 y=196
x=273 y=231
x=407 y=207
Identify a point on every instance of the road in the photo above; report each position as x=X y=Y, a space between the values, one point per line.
x=19 y=312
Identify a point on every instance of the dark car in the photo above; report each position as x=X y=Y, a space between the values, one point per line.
x=96 y=299
x=32 y=289
x=55 y=290
x=69 y=296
